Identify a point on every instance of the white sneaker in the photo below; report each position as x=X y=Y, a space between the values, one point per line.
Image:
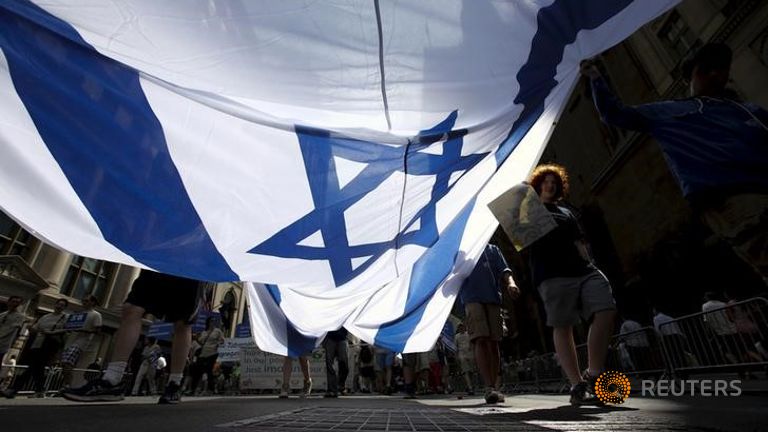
x=284 y=392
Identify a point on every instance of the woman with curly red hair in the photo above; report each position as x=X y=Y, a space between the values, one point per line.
x=571 y=287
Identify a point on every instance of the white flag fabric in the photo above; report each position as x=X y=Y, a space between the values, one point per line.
x=331 y=152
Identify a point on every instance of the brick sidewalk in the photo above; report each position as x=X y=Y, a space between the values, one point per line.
x=262 y=413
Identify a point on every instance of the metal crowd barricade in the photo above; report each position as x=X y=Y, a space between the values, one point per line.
x=536 y=374
x=54 y=379
x=730 y=338
x=637 y=353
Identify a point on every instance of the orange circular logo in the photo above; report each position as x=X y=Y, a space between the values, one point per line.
x=612 y=387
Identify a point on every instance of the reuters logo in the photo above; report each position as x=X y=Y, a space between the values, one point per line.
x=612 y=387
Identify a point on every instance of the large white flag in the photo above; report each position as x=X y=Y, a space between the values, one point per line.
x=331 y=152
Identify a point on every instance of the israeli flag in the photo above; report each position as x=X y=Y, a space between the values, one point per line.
x=337 y=154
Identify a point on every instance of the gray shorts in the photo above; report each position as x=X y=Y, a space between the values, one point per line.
x=569 y=299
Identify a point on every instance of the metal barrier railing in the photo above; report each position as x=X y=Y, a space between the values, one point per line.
x=54 y=378
x=732 y=337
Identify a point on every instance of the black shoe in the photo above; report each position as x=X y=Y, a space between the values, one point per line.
x=95 y=391
x=491 y=397
x=9 y=393
x=591 y=396
x=331 y=395
x=171 y=395
x=579 y=393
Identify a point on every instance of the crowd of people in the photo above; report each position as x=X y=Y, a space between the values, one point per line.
x=715 y=147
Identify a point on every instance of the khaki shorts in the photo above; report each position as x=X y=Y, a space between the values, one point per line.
x=742 y=221
x=569 y=299
x=483 y=320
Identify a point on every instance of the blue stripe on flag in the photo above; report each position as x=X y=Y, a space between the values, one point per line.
x=92 y=114
x=428 y=273
x=558 y=26
x=297 y=344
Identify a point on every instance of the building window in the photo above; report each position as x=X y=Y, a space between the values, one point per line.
x=13 y=238
x=677 y=36
x=88 y=276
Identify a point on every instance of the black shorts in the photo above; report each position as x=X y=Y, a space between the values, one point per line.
x=167 y=297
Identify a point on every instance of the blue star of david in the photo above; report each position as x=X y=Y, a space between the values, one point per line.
x=319 y=147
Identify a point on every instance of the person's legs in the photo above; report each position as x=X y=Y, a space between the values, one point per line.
x=343 y=351
x=598 y=340
x=182 y=340
x=34 y=360
x=125 y=339
x=196 y=370
x=47 y=354
x=479 y=333
x=330 y=371
x=285 y=388
x=152 y=379
x=210 y=363
x=482 y=353
x=140 y=375
x=599 y=306
x=378 y=367
x=566 y=353
x=468 y=382
x=494 y=360
x=304 y=364
x=69 y=360
x=409 y=379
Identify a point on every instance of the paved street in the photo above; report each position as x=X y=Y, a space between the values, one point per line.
x=266 y=413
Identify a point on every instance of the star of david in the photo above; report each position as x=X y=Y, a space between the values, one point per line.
x=319 y=149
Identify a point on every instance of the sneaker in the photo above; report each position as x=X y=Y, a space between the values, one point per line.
x=590 y=380
x=591 y=396
x=97 y=390
x=410 y=391
x=9 y=393
x=499 y=396
x=578 y=393
x=171 y=395
x=284 y=392
x=491 y=396
x=307 y=390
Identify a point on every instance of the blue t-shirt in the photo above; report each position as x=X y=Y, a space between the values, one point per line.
x=482 y=285
x=714 y=147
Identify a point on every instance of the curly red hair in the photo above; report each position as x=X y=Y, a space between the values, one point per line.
x=542 y=171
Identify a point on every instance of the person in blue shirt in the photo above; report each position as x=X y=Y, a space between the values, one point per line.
x=481 y=296
x=715 y=146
